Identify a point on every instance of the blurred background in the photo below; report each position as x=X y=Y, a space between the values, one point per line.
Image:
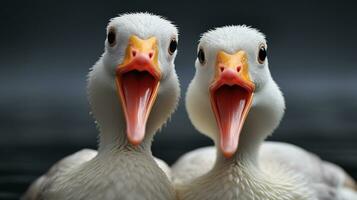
x=47 y=47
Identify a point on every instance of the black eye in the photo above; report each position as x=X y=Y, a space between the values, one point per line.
x=201 y=56
x=111 y=37
x=262 y=54
x=173 y=46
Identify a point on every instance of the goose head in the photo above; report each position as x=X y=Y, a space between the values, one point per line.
x=133 y=88
x=232 y=97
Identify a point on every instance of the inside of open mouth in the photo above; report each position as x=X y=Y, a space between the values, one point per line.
x=230 y=103
x=137 y=91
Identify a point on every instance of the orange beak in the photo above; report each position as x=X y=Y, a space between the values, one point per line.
x=137 y=80
x=231 y=98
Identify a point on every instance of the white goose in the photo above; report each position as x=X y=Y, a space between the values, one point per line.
x=132 y=89
x=234 y=100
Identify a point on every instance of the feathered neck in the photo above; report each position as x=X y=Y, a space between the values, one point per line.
x=243 y=173
x=244 y=180
x=107 y=111
x=241 y=176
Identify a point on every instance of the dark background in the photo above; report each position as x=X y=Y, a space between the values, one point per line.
x=47 y=47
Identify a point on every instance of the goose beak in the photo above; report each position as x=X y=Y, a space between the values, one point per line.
x=231 y=96
x=137 y=80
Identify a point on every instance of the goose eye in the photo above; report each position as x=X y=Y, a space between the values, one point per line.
x=173 y=46
x=111 y=37
x=262 y=54
x=201 y=56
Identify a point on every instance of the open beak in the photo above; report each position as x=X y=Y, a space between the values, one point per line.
x=137 y=80
x=231 y=98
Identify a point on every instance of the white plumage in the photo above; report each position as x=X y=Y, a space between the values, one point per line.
x=258 y=170
x=329 y=181
x=119 y=170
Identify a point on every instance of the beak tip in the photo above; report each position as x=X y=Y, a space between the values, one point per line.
x=135 y=141
x=228 y=150
x=135 y=138
x=228 y=154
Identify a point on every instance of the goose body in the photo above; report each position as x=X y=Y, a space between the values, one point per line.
x=110 y=180
x=329 y=181
x=132 y=89
x=232 y=67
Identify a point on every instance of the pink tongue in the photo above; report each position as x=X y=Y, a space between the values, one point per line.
x=137 y=92
x=230 y=102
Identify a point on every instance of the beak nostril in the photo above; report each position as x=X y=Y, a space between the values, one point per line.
x=222 y=69
x=239 y=68
x=151 y=54
x=133 y=53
